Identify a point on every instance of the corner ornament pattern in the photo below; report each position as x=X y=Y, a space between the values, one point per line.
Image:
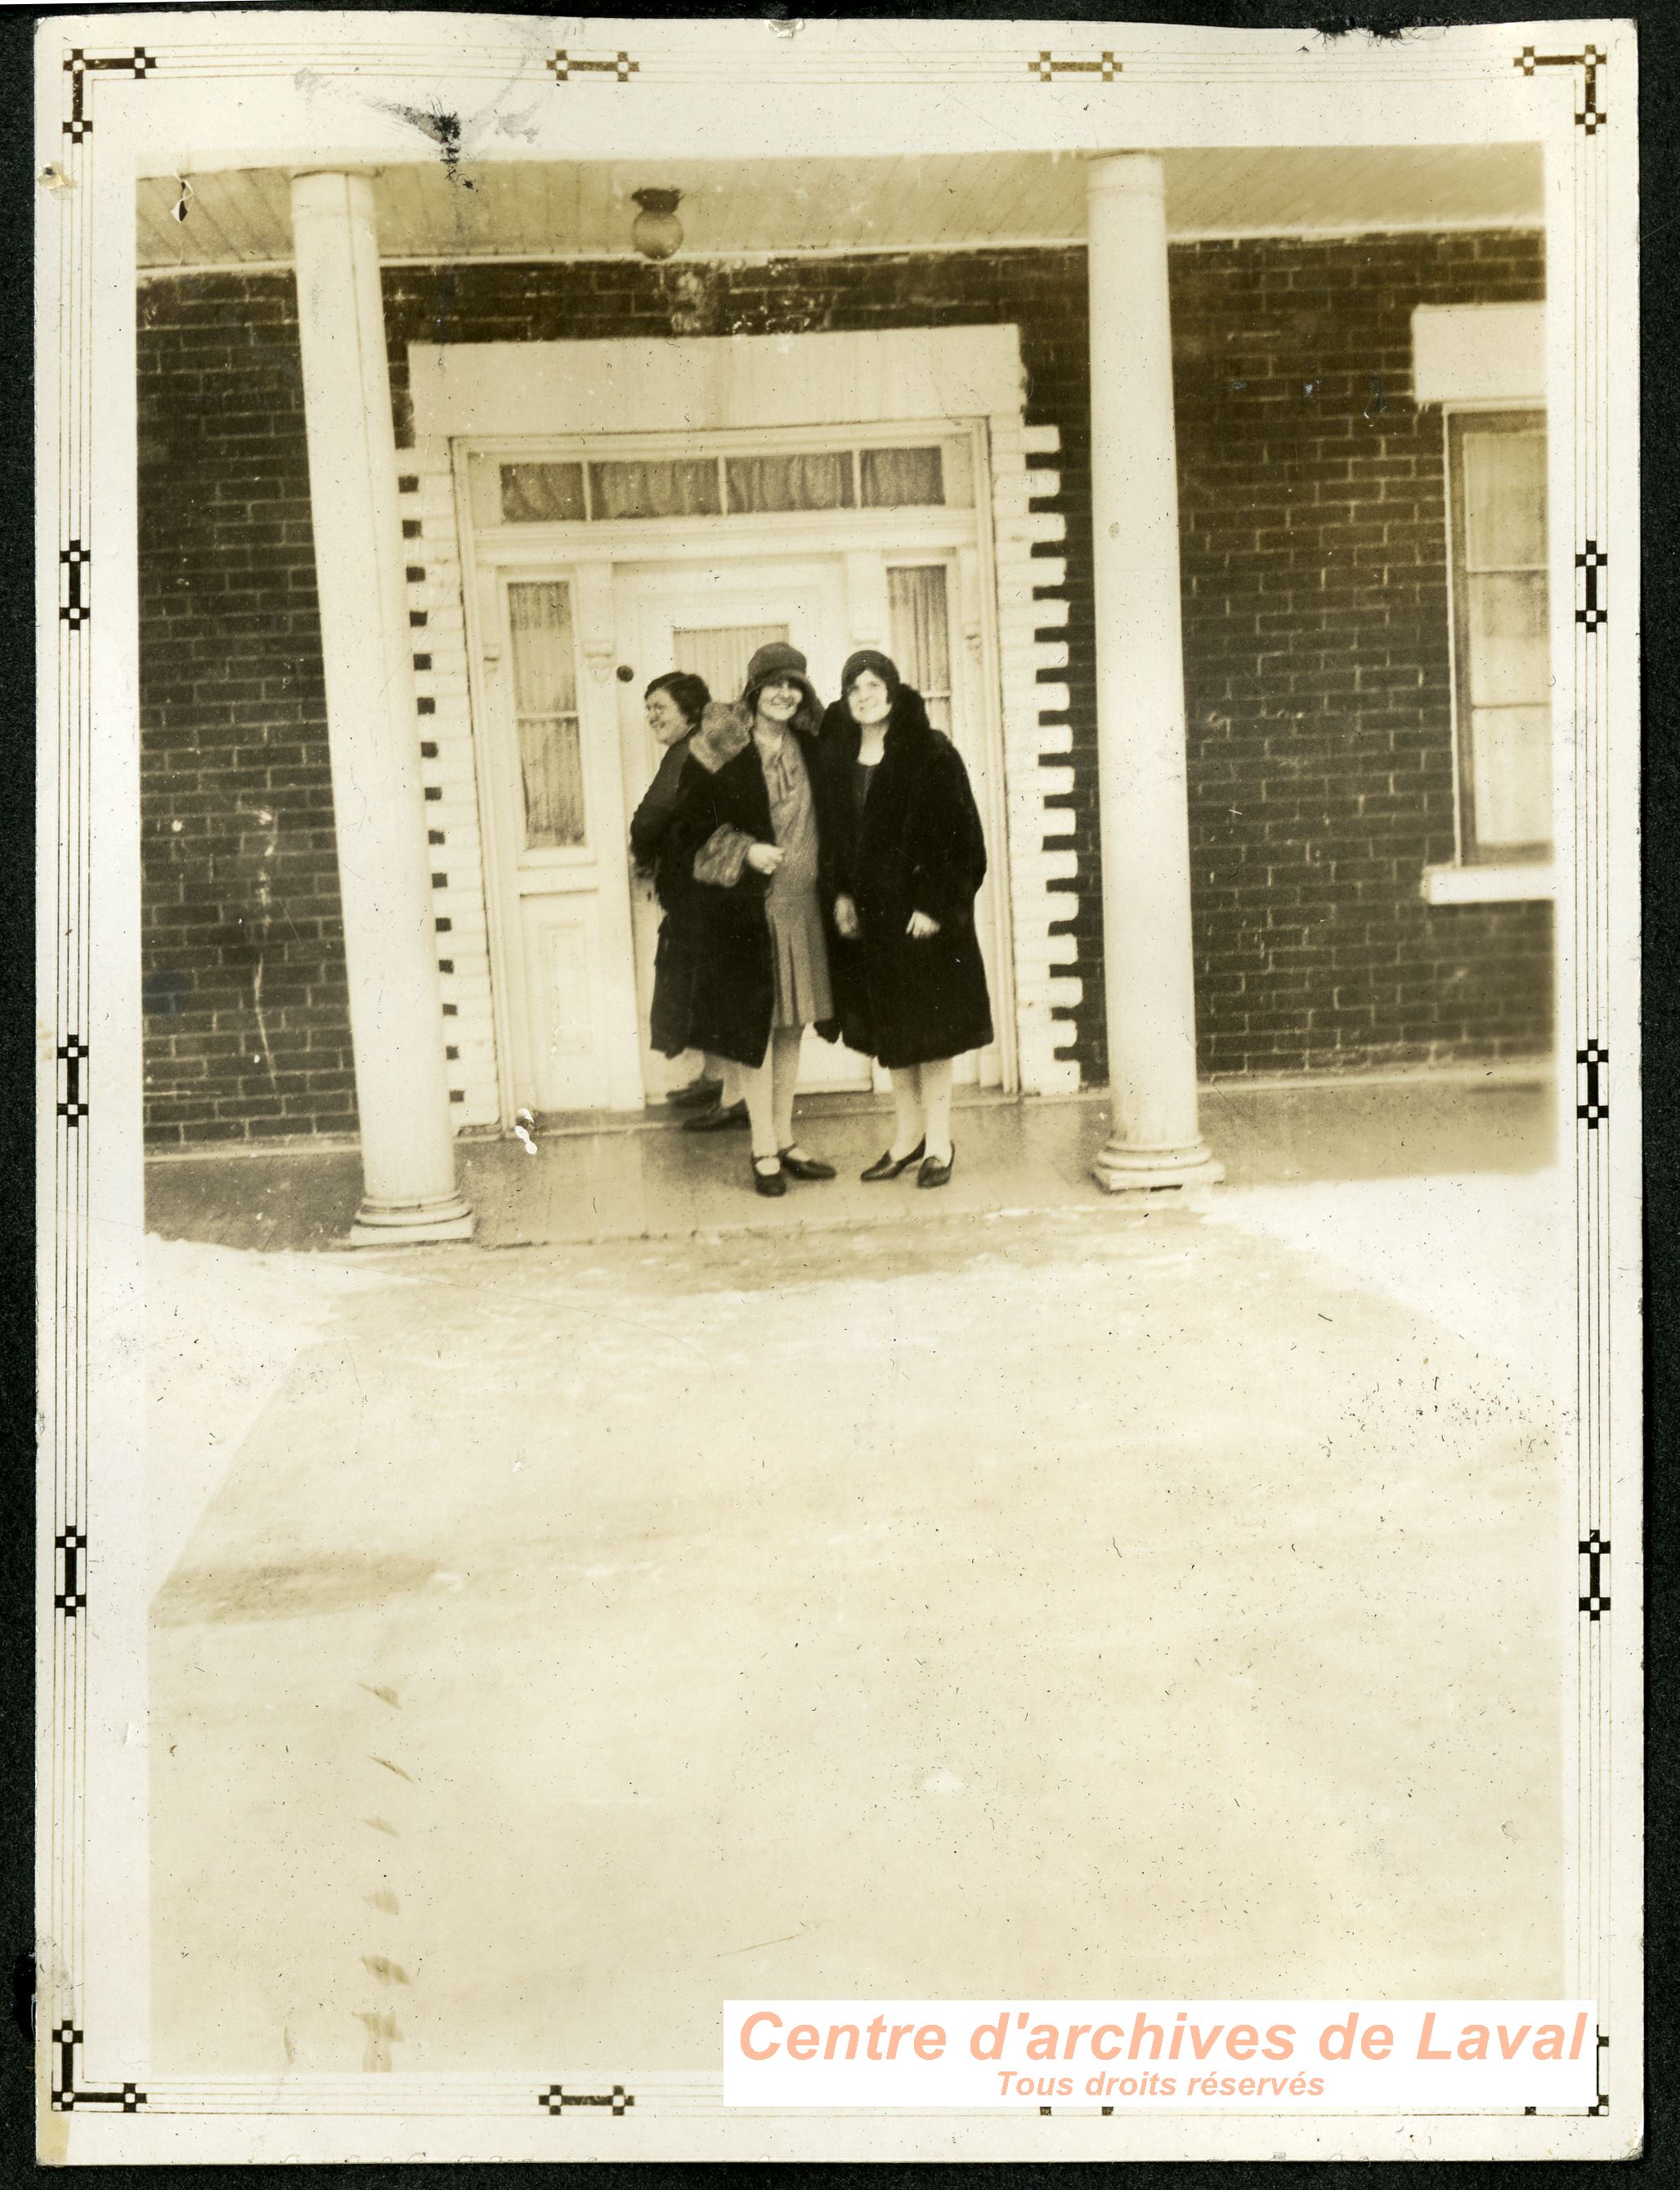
x=1591 y=116
x=69 y=2098
x=78 y=65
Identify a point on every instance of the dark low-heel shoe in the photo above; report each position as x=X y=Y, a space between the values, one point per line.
x=889 y=1165
x=722 y=1119
x=697 y=1094
x=932 y=1171
x=772 y=1184
x=804 y=1166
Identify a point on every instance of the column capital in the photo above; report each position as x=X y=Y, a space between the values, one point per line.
x=326 y=191
x=1141 y=174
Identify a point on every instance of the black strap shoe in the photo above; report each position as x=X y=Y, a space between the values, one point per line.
x=726 y=1117
x=932 y=1171
x=770 y=1184
x=801 y=1166
x=891 y=1166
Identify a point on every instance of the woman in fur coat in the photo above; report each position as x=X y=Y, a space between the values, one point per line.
x=675 y=703
x=746 y=842
x=904 y=857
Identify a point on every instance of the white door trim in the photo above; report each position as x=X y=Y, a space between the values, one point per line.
x=976 y=367
x=712 y=383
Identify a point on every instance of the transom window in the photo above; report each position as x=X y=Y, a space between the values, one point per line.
x=1496 y=468
x=732 y=483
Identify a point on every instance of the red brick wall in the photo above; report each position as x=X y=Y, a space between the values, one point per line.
x=1316 y=642
x=247 y=1029
x=1313 y=551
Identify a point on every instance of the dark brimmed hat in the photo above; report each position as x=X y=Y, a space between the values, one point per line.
x=778 y=663
x=869 y=657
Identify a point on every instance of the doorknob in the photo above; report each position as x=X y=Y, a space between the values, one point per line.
x=627 y=675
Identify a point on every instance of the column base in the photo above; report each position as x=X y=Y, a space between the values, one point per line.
x=1121 y=1169
x=415 y=1224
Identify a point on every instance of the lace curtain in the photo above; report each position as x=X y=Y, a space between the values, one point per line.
x=545 y=706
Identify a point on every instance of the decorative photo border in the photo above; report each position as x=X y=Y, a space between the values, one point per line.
x=96 y=76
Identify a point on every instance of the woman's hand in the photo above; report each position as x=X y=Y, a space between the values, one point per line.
x=846 y=918
x=921 y=927
x=765 y=859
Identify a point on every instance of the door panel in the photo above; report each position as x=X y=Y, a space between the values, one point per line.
x=720 y=656
x=562 y=913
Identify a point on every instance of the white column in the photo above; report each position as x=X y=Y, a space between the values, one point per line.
x=384 y=879
x=1155 y=1140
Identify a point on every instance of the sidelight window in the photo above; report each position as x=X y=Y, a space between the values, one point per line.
x=544 y=660
x=918 y=609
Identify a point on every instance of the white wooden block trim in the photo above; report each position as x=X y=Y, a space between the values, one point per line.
x=1029 y=740
x=470 y=1028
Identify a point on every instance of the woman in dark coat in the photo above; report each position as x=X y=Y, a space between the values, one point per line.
x=905 y=859
x=675 y=703
x=745 y=846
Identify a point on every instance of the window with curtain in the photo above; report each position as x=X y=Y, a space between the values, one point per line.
x=765 y=483
x=917 y=607
x=902 y=478
x=542 y=494
x=544 y=668
x=814 y=478
x=1496 y=468
x=657 y=486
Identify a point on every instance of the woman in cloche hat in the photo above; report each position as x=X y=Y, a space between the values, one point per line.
x=747 y=836
x=904 y=860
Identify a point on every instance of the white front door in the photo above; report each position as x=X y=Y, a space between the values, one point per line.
x=709 y=618
x=558 y=827
x=568 y=650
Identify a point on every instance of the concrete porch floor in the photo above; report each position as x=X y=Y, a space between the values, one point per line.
x=1093 y=1603
x=607 y=1177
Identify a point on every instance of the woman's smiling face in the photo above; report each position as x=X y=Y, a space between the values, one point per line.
x=780 y=702
x=869 y=699
x=666 y=719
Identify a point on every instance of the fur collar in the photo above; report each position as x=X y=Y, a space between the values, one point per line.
x=725 y=729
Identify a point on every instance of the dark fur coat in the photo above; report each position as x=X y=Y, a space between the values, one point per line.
x=724 y=808
x=917 y=847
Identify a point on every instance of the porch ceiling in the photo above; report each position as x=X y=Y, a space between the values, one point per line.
x=523 y=209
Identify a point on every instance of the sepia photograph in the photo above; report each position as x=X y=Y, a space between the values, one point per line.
x=849 y=942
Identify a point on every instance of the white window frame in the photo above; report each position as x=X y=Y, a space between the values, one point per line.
x=1480 y=882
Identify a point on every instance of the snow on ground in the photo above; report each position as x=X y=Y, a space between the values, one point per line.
x=223 y=1329
x=1483 y=1254
x=1486 y=1254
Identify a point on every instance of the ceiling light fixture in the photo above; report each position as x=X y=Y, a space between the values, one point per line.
x=656 y=232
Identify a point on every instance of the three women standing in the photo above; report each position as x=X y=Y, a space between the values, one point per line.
x=821 y=870
x=904 y=860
